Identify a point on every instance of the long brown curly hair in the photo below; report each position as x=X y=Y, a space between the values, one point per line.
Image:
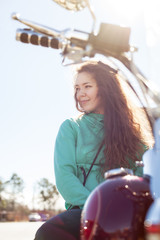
x=123 y=138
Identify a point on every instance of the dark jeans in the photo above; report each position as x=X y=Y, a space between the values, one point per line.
x=65 y=226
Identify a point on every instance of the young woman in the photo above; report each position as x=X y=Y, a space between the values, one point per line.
x=107 y=125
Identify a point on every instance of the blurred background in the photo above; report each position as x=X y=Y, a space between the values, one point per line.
x=36 y=93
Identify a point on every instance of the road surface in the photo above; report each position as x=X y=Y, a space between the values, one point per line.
x=18 y=230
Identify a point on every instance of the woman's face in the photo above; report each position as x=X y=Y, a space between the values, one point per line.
x=87 y=93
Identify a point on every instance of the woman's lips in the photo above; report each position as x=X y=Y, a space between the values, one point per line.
x=83 y=102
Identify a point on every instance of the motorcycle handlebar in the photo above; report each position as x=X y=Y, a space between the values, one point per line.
x=111 y=38
x=29 y=36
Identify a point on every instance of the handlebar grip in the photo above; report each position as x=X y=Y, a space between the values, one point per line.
x=29 y=36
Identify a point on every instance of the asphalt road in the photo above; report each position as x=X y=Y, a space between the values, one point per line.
x=18 y=230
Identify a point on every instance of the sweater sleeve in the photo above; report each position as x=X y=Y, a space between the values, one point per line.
x=68 y=184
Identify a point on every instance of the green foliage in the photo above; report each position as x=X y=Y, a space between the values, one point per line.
x=16 y=184
x=48 y=194
x=3 y=201
x=12 y=199
x=14 y=188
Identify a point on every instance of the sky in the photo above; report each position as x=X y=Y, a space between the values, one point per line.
x=36 y=93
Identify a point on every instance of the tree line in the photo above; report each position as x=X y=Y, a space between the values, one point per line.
x=12 y=199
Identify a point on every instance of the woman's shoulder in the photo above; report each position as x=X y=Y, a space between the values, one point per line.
x=75 y=120
x=83 y=119
x=69 y=127
x=72 y=122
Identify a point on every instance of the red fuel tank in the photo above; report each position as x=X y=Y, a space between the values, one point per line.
x=116 y=209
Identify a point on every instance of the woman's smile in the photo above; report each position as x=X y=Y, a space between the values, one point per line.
x=83 y=102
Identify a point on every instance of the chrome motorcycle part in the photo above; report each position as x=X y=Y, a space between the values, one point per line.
x=152 y=221
x=77 y=5
x=38 y=27
x=73 y=5
x=117 y=172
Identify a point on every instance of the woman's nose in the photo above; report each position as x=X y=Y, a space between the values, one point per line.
x=81 y=92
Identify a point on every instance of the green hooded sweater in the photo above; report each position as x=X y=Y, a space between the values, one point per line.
x=76 y=146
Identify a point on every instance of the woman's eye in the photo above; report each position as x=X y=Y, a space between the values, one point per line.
x=76 y=89
x=88 y=86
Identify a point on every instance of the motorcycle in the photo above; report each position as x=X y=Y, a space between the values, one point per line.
x=136 y=214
